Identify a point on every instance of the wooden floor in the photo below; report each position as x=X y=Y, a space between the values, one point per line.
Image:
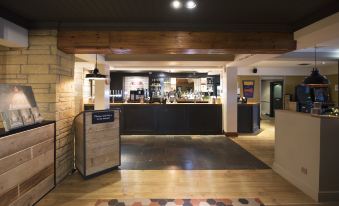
x=264 y=184
x=260 y=145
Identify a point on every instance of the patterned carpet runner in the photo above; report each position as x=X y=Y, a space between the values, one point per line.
x=181 y=202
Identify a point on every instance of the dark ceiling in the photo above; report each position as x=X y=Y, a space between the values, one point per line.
x=223 y=15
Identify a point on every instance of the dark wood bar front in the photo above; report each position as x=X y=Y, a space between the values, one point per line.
x=172 y=119
x=248 y=118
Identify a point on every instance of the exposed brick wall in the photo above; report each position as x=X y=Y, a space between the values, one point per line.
x=50 y=72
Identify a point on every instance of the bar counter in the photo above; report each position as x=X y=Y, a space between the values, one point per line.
x=172 y=119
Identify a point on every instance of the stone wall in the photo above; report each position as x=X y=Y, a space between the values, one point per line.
x=50 y=72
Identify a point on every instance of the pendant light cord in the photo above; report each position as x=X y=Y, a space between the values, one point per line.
x=96 y=60
x=315 y=58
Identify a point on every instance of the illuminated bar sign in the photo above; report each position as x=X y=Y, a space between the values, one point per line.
x=102 y=117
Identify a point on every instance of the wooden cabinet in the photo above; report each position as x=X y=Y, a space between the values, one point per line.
x=248 y=118
x=27 y=164
x=97 y=145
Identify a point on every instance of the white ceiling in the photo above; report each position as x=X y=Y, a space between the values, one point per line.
x=326 y=57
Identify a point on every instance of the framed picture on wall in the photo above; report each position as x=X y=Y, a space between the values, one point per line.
x=27 y=117
x=11 y=119
x=37 y=115
x=248 y=88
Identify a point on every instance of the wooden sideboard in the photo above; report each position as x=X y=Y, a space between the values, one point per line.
x=97 y=145
x=27 y=164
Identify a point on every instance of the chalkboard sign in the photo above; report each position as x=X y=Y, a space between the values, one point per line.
x=102 y=117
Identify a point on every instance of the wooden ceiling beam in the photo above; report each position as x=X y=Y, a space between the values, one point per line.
x=175 y=42
x=170 y=57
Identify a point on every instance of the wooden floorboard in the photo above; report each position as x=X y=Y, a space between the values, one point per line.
x=264 y=184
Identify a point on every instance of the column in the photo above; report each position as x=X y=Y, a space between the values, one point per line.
x=102 y=89
x=230 y=108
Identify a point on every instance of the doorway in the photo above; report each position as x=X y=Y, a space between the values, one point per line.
x=276 y=96
x=271 y=96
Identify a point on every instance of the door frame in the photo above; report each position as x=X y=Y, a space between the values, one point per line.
x=272 y=112
x=272 y=79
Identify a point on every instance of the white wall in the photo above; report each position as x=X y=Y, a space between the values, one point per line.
x=134 y=83
x=84 y=67
x=297 y=140
x=326 y=70
x=12 y=35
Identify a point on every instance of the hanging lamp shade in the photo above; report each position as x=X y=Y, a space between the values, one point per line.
x=95 y=75
x=316 y=78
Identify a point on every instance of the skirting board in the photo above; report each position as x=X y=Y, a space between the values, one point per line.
x=296 y=182
x=329 y=196
x=231 y=134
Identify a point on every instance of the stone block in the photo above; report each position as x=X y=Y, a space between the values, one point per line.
x=67 y=63
x=62 y=153
x=16 y=59
x=41 y=32
x=52 y=88
x=46 y=78
x=39 y=47
x=43 y=59
x=52 y=107
x=36 y=51
x=45 y=98
x=57 y=69
x=40 y=86
x=66 y=114
x=12 y=52
x=21 y=76
x=42 y=40
x=9 y=69
x=34 y=69
x=15 y=81
x=8 y=76
x=41 y=91
x=48 y=115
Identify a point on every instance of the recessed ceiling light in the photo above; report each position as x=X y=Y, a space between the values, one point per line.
x=191 y=4
x=176 y=4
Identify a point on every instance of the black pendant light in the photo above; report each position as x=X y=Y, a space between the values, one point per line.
x=316 y=78
x=95 y=75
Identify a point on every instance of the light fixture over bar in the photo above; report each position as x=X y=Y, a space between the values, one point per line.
x=176 y=4
x=191 y=4
x=95 y=75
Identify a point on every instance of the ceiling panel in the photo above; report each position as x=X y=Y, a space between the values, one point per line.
x=209 y=14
